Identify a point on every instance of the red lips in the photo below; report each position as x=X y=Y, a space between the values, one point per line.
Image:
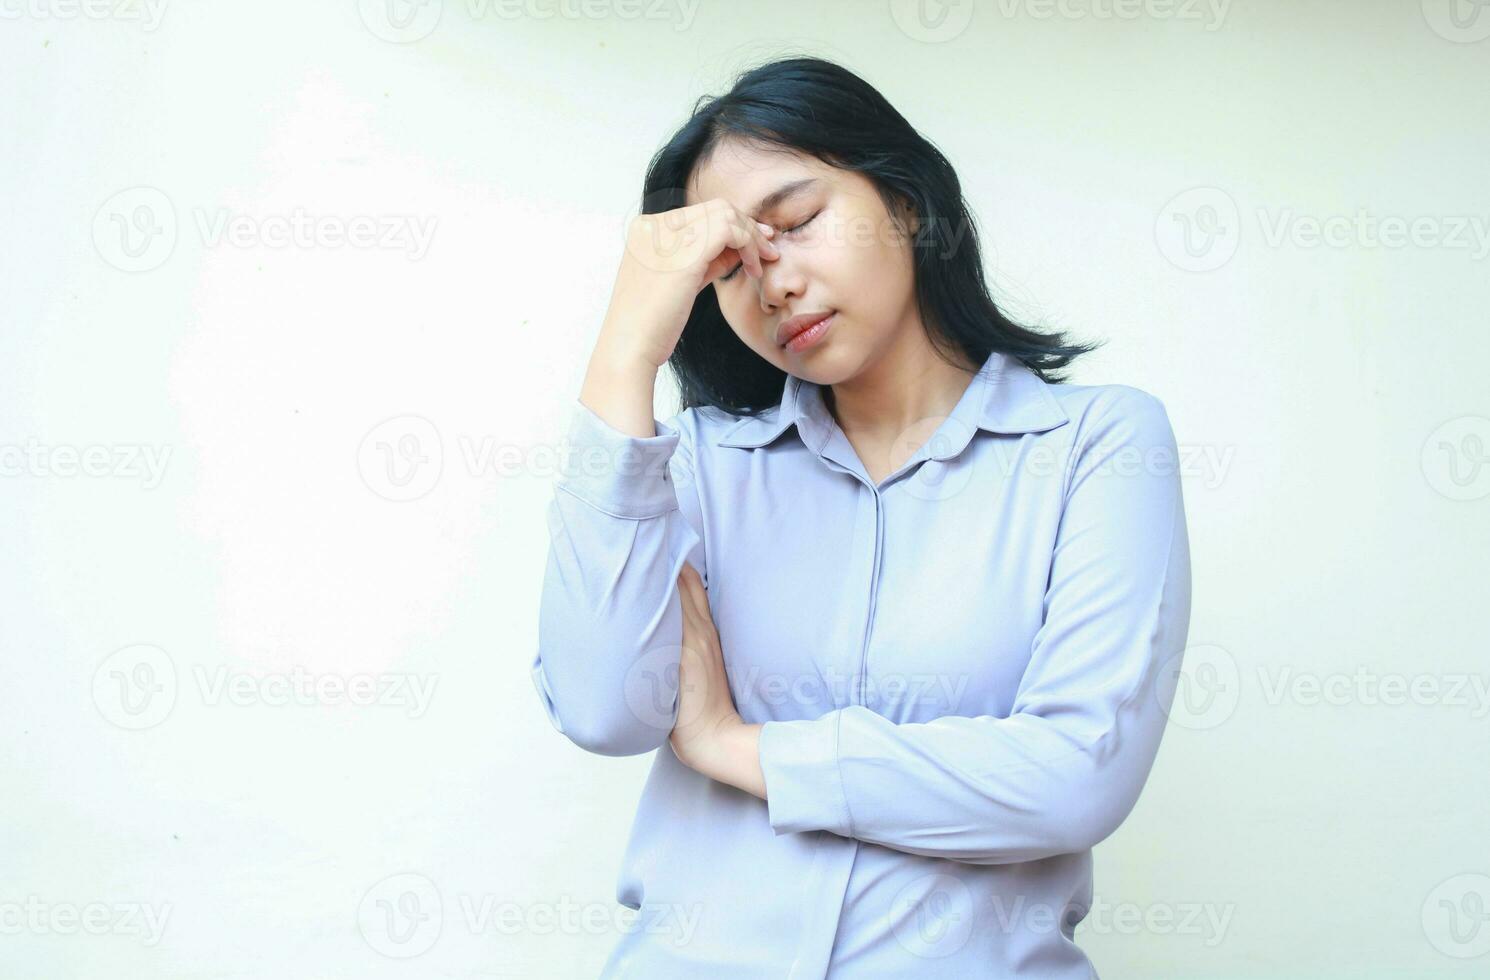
x=797 y=324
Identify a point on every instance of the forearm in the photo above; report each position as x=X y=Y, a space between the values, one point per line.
x=618 y=386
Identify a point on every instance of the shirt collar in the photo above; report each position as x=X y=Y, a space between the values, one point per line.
x=1004 y=396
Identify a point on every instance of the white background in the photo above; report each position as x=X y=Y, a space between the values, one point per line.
x=1331 y=391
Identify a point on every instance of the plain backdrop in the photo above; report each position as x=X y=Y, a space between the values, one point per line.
x=296 y=300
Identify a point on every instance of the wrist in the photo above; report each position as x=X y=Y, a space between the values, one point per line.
x=617 y=354
x=731 y=755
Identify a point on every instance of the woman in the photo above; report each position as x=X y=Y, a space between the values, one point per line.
x=895 y=606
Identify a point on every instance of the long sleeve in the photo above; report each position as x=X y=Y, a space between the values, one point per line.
x=1065 y=768
x=621 y=525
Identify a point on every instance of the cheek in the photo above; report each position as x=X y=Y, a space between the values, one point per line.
x=740 y=306
x=742 y=312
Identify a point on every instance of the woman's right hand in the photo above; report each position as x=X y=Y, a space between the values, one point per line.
x=670 y=257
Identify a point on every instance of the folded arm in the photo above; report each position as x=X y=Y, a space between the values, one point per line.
x=1065 y=768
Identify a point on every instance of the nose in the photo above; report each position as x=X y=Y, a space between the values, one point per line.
x=779 y=282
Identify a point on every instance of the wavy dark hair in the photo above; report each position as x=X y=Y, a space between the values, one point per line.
x=824 y=110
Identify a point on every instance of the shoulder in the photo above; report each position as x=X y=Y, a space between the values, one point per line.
x=1111 y=417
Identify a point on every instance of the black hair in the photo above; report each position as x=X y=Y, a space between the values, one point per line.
x=824 y=110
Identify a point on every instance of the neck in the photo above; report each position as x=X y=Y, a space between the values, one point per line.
x=906 y=383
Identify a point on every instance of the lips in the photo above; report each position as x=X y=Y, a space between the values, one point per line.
x=798 y=324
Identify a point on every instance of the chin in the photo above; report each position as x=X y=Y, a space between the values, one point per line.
x=832 y=365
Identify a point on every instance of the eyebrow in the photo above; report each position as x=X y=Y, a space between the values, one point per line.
x=790 y=189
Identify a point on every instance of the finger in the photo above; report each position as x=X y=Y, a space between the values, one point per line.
x=750 y=243
x=764 y=233
x=744 y=240
x=765 y=248
x=768 y=244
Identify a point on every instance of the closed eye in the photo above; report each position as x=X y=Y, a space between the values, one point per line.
x=804 y=224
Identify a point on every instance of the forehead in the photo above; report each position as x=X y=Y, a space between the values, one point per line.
x=745 y=174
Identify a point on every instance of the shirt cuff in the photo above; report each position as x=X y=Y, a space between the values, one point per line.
x=618 y=473
x=804 y=791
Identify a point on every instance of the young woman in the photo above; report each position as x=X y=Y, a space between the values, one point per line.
x=895 y=606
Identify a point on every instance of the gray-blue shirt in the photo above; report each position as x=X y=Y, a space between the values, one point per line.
x=963 y=672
